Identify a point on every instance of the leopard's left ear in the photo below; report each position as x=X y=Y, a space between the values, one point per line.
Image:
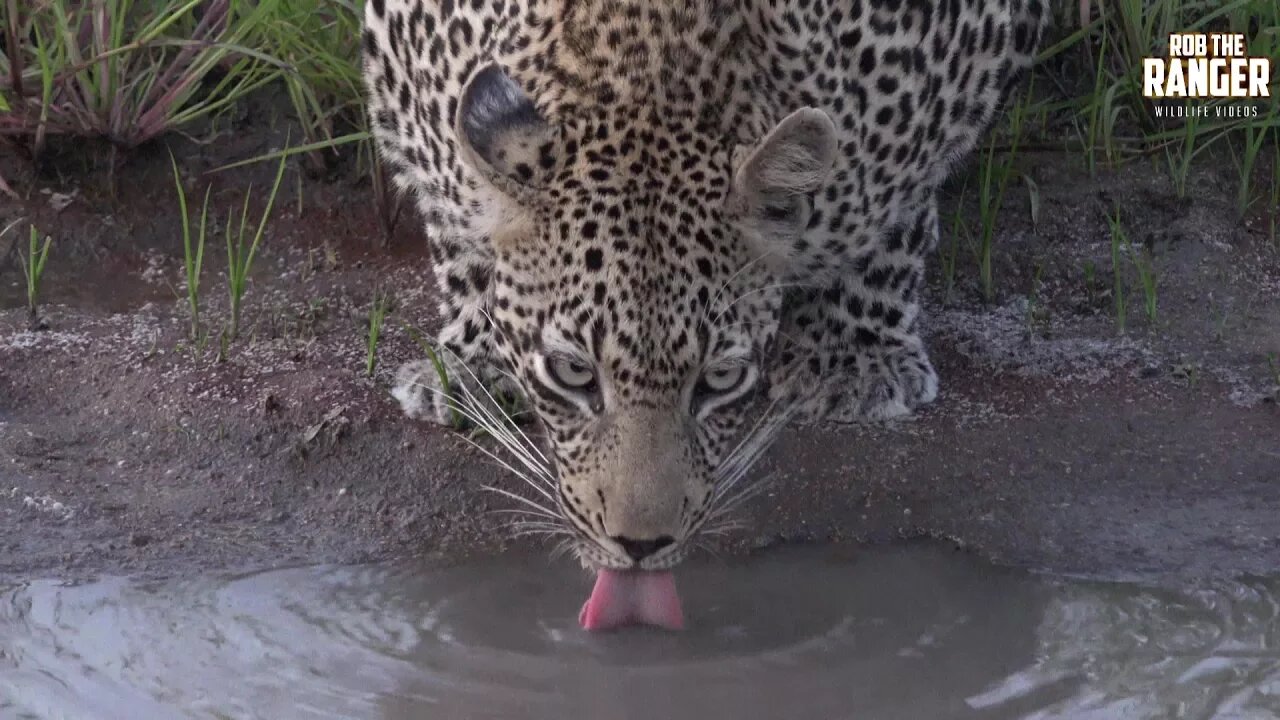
x=773 y=186
x=502 y=136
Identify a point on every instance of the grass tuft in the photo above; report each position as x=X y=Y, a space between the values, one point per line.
x=192 y=255
x=319 y=42
x=1118 y=240
x=1090 y=271
x=1037 y=314
x=951 y=253
x=993 y=182
x=1179 y=155
x=1143 y=265
x=377 y=314
x=240 y=258
x=33 y=263
x=1255 y=134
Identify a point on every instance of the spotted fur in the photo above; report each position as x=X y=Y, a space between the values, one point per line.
x=644 y=215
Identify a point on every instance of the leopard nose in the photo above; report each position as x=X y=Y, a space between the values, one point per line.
x=641 y=549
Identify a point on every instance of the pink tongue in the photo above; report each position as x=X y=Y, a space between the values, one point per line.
x=625 y=597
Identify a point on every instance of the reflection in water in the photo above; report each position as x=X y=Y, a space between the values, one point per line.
x=912 y=633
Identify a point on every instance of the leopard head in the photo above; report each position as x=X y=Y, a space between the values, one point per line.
x=636 y=298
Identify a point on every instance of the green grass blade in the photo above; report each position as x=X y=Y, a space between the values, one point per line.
x=266 y=213
x=299 y=149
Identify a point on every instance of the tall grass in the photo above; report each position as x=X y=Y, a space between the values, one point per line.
x=1121 y=123
x=1102 y=111
x=124 y=70
x=319 y=40
x=1095 y=75
x=1255 y=134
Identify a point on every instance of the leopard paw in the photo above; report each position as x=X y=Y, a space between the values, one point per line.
x=886 y=386
x=422 y=394
x=462 y=401
x=868 y=385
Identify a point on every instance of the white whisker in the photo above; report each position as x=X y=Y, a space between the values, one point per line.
x=729 y=493
x=545 y=482
x=750 y=448
x=562 y=547
x=730 y=503
x=530 y=517
x=501 y=429
x=510 y=376
x=522 y=524
x=528 y=480
x=520 y=511
x=518 y=498
x=504 y=429
x=522 y=530
x=704 y=545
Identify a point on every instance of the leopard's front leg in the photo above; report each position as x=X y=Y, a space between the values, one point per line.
x=851 y=351
x=465 y=368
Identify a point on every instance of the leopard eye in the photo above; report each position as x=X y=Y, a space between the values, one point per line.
x=724 y=378
x=571 y=373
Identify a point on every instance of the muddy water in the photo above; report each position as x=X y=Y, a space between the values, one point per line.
x=913 y=632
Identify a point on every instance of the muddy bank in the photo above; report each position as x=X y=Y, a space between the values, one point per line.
x=1057 y=443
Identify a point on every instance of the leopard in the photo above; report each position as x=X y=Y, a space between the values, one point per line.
x=671 y=228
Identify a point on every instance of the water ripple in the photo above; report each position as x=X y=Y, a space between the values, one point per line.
x=901 y=633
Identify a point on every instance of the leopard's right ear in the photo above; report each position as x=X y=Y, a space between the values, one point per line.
x=503 y=137
x=773 y=184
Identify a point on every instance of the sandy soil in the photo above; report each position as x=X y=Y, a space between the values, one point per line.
x=1057 y=443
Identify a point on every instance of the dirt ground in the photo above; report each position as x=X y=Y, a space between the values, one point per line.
x=1057 y=443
